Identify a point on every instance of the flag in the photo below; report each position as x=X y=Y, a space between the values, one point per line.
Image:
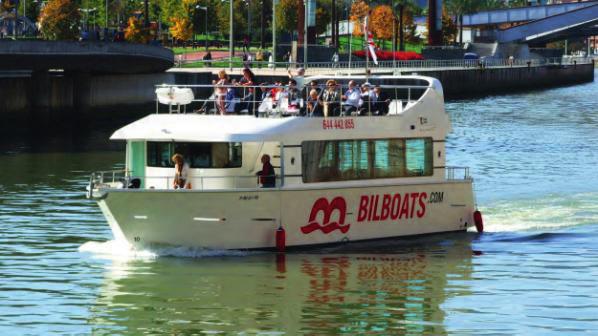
x=370 y=41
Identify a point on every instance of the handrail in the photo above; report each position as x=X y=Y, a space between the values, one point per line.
x=280 y=100
x=486 y=62
x=122 y=179
x=453 y=173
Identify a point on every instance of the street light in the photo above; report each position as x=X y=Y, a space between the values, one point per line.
x=206 y=23
x=230 y=38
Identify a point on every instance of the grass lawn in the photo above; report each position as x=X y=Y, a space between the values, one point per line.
x=357 y=44
x=237 y=63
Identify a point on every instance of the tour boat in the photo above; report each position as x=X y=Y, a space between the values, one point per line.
x=339 y=179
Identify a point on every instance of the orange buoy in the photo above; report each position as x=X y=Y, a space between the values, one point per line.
x=478 y=221
x=280 y=239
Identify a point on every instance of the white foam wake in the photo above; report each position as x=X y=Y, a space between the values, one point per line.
x=116 y=249
x=544 y=213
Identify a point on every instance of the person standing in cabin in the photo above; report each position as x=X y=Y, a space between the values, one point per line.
x=267 y=176
x=181 y=172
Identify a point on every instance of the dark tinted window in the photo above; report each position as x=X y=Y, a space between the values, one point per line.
x=197 y=154
x=342 y=160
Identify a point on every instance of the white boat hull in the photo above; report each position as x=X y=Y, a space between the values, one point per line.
x=248 y=219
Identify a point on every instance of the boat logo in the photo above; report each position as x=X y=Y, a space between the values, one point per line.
x=328 y=209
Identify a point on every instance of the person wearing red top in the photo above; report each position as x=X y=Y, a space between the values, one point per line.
x=267 y=176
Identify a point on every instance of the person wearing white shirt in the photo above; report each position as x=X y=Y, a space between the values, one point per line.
x=352 y=98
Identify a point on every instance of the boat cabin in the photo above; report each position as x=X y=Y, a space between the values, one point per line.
x=224 y=152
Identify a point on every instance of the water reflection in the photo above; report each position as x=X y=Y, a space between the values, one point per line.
x=398 y=290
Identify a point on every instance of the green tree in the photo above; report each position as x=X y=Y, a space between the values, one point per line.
x=458 y=8
x=286 y=15
x=59 y=20
x=323 y=19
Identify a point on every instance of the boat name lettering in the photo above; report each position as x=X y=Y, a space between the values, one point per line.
x=436 y=197
x=248 y=197
x=375 y=208
x=338 y=123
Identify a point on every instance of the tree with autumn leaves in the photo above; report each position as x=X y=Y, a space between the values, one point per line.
x=59 y=20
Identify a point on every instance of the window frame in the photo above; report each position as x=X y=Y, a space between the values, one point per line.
x=155 y=152
x=339 y=169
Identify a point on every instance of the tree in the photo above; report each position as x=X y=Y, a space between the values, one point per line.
x=181 y=29
x=458 y=8
x=323 y=18
x=135 y=31
x=286 y=15
x=59 y=20
x=381 y=23
x=239 y=17
x=359 y=10
x=449 y=29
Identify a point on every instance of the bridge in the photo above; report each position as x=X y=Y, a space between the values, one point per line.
x=540 y=24
x=85 y=57
x=521 y=14
x=581 y=22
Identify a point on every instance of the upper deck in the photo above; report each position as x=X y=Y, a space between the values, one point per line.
x=415 y=108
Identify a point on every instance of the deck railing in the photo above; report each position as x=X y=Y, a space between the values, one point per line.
x=457 y=173
x=271 y=100
x=122 y=179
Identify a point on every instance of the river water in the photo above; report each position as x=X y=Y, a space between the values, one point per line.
x=534 y=159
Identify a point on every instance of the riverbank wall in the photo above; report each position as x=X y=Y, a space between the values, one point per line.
x=47 y=97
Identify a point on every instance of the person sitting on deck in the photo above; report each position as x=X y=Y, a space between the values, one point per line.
x=352 y=98
x=382 y=101
x=367 y=97
x=181 y=172
x=314 y=105
x=293 y=96
x=266 y=176
x=331 y=99
x=247 y=100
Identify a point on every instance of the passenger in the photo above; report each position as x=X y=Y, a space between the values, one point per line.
x=248 y=100
x=330 y=99
x=382 y=101
x=299 y=77
x=275 y=91
x=220 y=91
x=293 y=95
x=352 y=98
x=366 y=105
x=313 y=85
x=181 y=172
x=267 y=176
x=230 y=101
x=314 y=105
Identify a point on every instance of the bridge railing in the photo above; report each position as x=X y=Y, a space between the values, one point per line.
x=390 y=65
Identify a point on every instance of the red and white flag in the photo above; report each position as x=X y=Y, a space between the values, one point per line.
x=370 y=41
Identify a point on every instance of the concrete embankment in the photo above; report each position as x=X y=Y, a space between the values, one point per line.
x=43 y=96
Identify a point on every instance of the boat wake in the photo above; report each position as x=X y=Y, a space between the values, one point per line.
x=540 y=214
x=121 y=250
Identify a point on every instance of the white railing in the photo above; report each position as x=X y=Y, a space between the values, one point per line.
x=485 y=62
x=267 y=100
x=122 y=179
x=457 y=173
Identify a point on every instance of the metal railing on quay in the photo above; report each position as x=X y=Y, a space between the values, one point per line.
x=457 y=173
x=278 y=100
x=389 y=64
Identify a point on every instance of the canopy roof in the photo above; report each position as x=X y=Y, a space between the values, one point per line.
x=202 y=128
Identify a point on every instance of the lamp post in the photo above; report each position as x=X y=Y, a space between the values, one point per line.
x=206 y=23
x=230 y=42
x=274 y=32
x=306 y=21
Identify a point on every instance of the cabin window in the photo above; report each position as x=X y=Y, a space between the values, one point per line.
x=342 y=160
x=197 y=154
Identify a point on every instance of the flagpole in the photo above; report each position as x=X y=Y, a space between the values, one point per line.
x=366 y=46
